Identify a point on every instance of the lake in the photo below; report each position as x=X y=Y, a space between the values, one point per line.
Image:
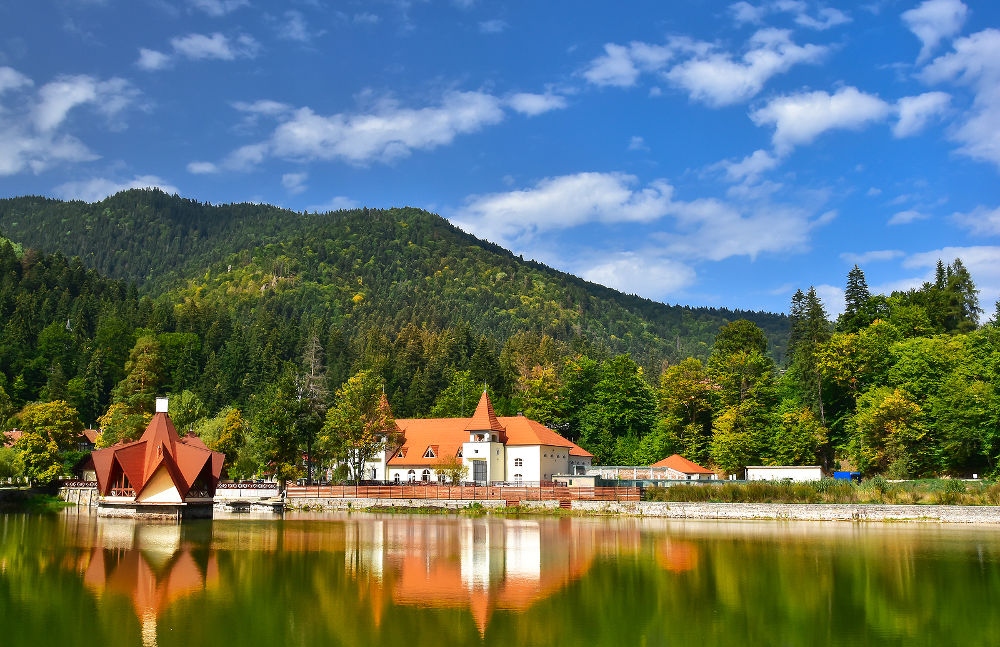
x=415 y=580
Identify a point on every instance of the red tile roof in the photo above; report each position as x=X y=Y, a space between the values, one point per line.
x=11 y=437
x=484 y=419
x=91 y=435
x=185 y=459
x=682 y=465
x=448 y=435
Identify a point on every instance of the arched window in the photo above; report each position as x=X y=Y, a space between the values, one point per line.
x=411 y=476
x=441 y=477
x=518 y=462
x=425 y=475
x=518 y=477
x=396 y=477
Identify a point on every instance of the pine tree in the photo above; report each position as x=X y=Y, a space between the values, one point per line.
x=856 y=298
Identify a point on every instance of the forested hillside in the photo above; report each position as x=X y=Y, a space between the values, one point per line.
x=261 y=323
x=358 y=269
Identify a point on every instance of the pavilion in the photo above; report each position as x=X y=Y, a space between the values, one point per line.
x=161 y=475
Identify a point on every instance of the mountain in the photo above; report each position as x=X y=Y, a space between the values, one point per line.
x=358 y=268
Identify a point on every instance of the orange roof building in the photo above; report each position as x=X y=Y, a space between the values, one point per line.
x=492 y=449
x=683 y=467
x=161 y=474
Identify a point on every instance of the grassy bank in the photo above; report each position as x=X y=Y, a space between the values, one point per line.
x=15 y=500
x=873 y=490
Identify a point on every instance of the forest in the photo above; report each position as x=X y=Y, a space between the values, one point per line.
x=255 y=327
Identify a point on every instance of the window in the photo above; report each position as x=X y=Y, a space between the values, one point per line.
x=425 y=475
x=459 y=454
x=430 y=453
x=441 y=478
x=396 y=477
x=518 y=477
x=411 y=476
x=518 y=462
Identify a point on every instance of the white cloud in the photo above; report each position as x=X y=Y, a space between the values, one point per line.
x=150 y=59
x=744 y=12
x=707 y=229
x=294 y=182
x=495 y=26
x=750 y=168
x=563 y=202
x=643 y=274
x=981 y=221
x=215 y=46
x=615 y=67
x=832 y=297
x=933 y=21
x=96 y=189
x=718 y=80
x=365 y=19
x=387 y=133
x=335 y=204
x=294 y=27
x=218 y=7
x=32 y=134
x=714 y=229
x=536 y=104
x=800 y=118
x=875 y=256
x=263 y=107
x=709 y=75
x=11 y=79
x=915 y=112
x=637 y=143
x=907 y=217
x=202 y=168
x=825 y=18
x=975 y=62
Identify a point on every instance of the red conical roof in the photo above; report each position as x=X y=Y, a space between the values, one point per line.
x=484 y=418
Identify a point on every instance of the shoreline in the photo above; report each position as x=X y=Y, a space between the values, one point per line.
x=930 y=513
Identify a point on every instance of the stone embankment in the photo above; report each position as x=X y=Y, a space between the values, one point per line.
x=778 y=511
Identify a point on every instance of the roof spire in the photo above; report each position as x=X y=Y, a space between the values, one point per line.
x=484 y=419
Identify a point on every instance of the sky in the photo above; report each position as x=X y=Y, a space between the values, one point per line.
x=695 y=152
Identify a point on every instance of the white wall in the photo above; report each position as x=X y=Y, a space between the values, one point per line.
x=160 y=488
x=530 y=455
x=779 y=473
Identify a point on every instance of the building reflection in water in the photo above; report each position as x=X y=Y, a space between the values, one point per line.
x=149 y=564
x=486 y=564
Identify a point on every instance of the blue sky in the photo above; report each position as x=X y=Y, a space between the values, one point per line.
x=693 y=152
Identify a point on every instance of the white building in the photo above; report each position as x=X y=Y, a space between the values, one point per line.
x=784 y=473
x=510 y=449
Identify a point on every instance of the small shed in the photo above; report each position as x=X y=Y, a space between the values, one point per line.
x=797 y=473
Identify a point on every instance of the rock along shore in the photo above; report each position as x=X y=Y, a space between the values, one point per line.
x=675 y=510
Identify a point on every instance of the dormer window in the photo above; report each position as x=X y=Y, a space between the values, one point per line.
x=459 y=454
x=430 y=453
x=401 y=453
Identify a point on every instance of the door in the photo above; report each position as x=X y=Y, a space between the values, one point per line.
x=479 y=471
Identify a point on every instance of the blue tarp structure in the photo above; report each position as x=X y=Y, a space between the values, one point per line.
x=847 y=476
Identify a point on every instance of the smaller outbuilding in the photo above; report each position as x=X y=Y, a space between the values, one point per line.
x=678 y=467
x=797 y=473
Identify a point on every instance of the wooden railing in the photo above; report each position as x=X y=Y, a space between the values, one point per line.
x=465 y=492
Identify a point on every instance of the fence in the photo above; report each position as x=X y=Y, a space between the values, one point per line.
x=466 y=492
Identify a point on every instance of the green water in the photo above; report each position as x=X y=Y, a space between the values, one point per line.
x=72 y=579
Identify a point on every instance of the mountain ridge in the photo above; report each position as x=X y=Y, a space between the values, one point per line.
x=359 y=264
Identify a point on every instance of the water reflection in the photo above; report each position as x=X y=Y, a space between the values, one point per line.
x=147 y=563
x=428 y=580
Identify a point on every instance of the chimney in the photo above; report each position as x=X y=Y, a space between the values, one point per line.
x=161 y=405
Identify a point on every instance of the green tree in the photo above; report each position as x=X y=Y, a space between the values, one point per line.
x=37 y=458
x=539 y=396
x=360 y=425
x=857 y=313
x=740 y=438
x=54 y=421
x=888 y=433
x=459 y=398
x=797 y=438
x=274 y=441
